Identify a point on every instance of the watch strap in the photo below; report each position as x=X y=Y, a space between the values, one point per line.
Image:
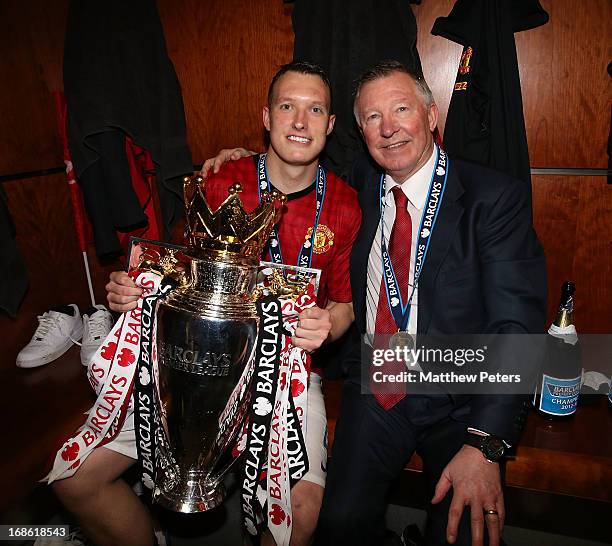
x=485 y=444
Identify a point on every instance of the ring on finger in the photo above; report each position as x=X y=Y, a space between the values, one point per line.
x=491 y=513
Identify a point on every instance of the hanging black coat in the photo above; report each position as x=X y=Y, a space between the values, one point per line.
x=485 y=122
x=346 y=37
x=118 y=80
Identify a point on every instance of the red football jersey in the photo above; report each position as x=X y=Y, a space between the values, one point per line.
x=338 y=224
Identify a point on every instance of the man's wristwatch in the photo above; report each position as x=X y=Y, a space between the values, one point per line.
x=492 y=447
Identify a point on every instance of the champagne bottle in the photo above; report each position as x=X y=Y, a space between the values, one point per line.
x=558 y=389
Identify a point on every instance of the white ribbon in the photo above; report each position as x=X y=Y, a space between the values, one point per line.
x=111 y=374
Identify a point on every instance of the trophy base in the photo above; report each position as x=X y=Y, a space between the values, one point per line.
x=192 y=497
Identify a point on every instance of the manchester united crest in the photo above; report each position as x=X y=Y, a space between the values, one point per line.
x=324 y=239
x=464 y=63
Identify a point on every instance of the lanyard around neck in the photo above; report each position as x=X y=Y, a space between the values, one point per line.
x=305 y=255
x=400 y=310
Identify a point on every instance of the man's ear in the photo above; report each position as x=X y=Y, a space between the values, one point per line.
x=266 y=117
x=432 y=116
x=330 y=124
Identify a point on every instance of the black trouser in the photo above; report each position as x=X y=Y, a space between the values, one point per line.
x=371 y=448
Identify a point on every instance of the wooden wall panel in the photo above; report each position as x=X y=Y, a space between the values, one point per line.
x=566 y=100
x=572 y=217
x=566 y=88
x=439 y=56
x=31 y=46
x=225 y=53
x=555 y=204
x=593 y=255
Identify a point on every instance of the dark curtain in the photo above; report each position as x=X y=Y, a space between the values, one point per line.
x=346 y=37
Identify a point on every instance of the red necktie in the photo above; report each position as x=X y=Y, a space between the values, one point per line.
x=388 y=394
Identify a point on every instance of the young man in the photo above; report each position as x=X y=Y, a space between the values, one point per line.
x=317 y=229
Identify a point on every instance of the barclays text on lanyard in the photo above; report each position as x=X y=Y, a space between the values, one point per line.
x=401 y=311
x=305 y=256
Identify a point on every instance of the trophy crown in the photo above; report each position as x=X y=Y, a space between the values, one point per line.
x=229 y=228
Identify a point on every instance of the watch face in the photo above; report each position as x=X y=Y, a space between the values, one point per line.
x=493 y=448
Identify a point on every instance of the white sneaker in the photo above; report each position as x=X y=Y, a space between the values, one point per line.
x=95 y=329
x=56 y=332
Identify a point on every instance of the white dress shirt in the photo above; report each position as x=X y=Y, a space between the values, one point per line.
x=415 y=188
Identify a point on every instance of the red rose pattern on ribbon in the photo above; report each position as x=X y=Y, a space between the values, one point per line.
x=126 y=357
x=108 y=351
x=277 y=514
x=70 y=452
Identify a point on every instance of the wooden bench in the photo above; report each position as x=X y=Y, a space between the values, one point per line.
x=559 y=481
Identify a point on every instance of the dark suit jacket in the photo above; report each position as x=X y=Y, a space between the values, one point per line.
x=485 y=272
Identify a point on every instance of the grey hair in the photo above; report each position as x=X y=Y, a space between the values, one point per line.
x=386 y=68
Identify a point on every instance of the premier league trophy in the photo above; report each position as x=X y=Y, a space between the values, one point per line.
x=206 y=334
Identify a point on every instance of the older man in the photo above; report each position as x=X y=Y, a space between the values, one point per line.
x=480 y=270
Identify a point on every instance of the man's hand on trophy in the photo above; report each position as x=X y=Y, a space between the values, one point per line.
x=222 y=157
x=314 y=326
x=122 y=292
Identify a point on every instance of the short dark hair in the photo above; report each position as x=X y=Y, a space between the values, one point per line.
x=301 y=67
x=382 y=69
